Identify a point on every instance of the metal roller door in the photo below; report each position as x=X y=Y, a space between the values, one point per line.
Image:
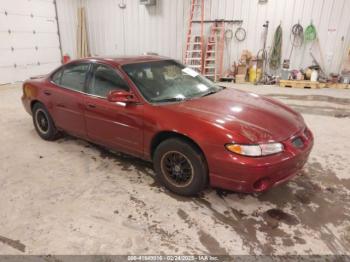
x=29 y=39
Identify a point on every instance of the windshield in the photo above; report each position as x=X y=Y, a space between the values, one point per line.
x=167 y=81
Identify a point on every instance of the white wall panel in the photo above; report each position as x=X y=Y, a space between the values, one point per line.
x=162 y=28
x=29 y=42
x=68 y=21
x=135 y=29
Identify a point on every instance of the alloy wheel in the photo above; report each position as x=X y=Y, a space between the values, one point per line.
x=177 y=168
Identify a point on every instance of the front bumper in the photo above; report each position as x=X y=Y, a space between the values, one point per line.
x=248 y=174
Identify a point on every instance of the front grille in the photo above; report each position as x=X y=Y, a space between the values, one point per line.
x=298 y=142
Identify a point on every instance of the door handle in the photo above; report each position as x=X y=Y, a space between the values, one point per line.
x=91 y=106
x=61 y=105
x=48 y=93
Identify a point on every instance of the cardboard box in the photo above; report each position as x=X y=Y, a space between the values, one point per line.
x=242 y=70
x=240 y=79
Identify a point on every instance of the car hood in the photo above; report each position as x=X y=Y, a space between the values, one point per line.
x=257 y=118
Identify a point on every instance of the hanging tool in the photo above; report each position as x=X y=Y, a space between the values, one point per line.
x=228 y=34
x=310 y=33
x=228 y=39
x=276 y=52
x=194 y=50
x=296 y=37
x=240 y=34
x=342 y=54
x=219 y=20
x=262 y=55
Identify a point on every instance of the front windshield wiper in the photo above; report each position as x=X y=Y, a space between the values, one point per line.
x=170 y=99
x=212 y=92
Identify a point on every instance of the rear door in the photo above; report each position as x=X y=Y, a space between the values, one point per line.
x=116 y=125
x=67 y=98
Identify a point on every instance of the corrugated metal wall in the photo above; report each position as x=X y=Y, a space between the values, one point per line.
x=135 y=29
x=162 y=28
x=67 y=11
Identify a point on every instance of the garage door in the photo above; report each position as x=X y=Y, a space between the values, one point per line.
x=29 y=42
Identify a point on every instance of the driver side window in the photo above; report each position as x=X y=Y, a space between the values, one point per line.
x=105 y=79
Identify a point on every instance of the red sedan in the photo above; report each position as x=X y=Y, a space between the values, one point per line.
x=195 y=132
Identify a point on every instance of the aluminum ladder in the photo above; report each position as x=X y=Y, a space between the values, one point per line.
x=214 y=53
x=193 y=57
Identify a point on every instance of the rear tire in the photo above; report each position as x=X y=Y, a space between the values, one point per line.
x=180 y=167
x=43 y=123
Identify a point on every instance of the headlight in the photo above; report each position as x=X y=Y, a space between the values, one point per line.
x=256 y=150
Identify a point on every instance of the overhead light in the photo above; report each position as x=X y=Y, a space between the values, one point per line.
x=122 y=5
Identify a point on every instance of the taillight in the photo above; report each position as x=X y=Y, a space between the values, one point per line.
x=26 y=91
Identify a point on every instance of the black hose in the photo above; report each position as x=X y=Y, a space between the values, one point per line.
x=240 y=34
x=296 y=37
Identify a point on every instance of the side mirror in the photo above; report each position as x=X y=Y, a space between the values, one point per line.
x=121 y=96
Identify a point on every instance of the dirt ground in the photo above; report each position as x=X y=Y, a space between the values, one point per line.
x=72 y=197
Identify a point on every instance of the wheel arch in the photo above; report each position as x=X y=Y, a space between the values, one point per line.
x=34 y=102
x=164 y=135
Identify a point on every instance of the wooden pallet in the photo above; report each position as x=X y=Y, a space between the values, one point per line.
x=299 y=84
x=337 y=85
x=309 y=84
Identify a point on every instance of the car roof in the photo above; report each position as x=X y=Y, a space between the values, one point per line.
x=123 y=60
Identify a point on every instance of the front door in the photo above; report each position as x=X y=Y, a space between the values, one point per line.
x=68 y=85
x=116 y=125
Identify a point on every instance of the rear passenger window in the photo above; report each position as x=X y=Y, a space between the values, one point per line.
x=56 y=78
x=72 y=77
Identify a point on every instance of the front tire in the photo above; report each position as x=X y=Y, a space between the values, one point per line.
x=180 y=167
x=43 y=123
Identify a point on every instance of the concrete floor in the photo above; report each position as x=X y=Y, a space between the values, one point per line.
x=71 y=197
